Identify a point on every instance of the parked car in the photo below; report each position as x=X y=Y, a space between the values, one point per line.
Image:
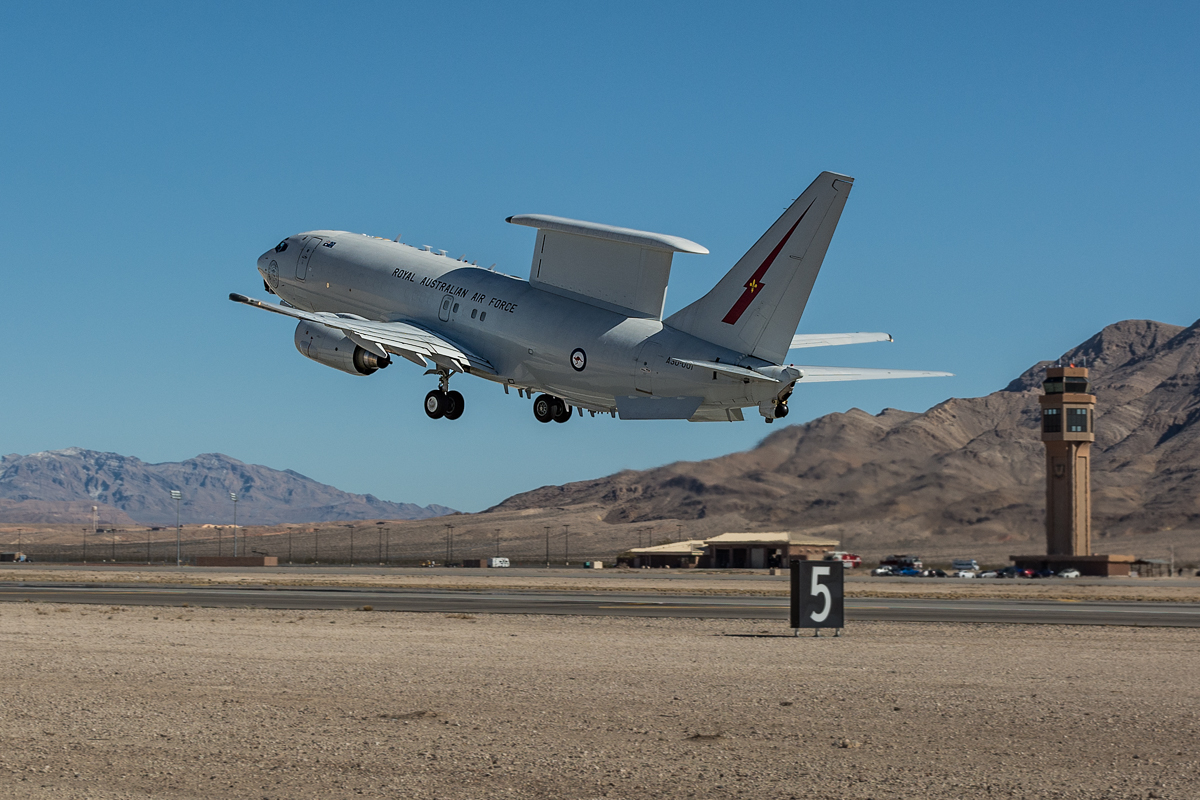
x=990 y=573
x=878 y=571
x=965 y=564
x=963 y=573
x=1070 y=572
x=903 y=560
x=933 y=573
x=908 y=572
x=1013 y=572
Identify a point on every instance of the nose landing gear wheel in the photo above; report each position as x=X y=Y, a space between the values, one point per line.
x=781 y=410
x=435 y=404
x=454 y=405
x=543 y=408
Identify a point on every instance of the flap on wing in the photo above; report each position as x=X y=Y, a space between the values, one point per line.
x=829 y=339
x=402 y=338
x=620 y=269
x=828 y=374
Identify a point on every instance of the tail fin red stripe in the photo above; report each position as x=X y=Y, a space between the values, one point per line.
x=755 y=284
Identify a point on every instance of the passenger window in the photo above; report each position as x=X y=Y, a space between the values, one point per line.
x=455 y=308
x=483 y=316
x=474 y=312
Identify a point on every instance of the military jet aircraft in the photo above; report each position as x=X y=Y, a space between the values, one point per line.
x=585 y=332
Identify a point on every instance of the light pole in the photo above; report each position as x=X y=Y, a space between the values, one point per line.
x=547 y=527
x=176 y=495
x=449 y=543
x=352 y=545
x=567 y=545
x=497 y=542
x=233 y=497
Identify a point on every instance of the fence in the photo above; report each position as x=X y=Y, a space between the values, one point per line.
x=368 y=545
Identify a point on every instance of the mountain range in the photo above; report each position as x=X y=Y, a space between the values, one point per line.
x=969 y=470
x=61 y=486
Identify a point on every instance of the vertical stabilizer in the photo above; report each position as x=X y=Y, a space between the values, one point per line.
x=755 y=308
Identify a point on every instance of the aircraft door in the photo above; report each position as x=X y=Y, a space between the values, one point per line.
x=444 y=309
x=647 y=363
x=305 y=255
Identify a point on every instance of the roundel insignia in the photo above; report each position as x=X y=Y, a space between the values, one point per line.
x=578 y=359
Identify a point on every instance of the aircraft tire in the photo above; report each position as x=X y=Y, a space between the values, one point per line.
x=781 y=410
x=454 y=405
x=562 y=411
x=543 y=408
x=435 y=404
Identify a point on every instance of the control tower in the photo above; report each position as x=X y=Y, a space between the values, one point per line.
x=1068 y=430
x=1068 y=408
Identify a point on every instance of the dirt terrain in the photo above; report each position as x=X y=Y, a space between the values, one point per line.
x=183 y=702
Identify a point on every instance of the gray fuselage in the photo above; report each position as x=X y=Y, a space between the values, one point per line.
x=529 y=335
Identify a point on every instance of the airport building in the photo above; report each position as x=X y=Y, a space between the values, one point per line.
x=733 y=551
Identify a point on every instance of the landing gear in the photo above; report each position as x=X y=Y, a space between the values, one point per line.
x=781 y=410
x=442 y=401
x=440 y=404
x=548 y=407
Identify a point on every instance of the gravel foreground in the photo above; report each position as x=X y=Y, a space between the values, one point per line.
x=132 y=702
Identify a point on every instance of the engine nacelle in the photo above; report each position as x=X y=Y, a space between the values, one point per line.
x=330 y=347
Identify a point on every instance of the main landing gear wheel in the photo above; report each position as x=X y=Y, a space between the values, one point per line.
x=435 y=404
x=454 y=405
x=543 y=407
x=562 y=411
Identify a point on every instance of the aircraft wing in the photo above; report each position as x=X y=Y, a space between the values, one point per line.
x=829 y=339
x=381 y=338
x=827 y=374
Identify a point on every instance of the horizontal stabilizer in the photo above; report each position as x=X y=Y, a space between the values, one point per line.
x=802 y=340
x=402 y=338
x=729 y=370
x=830 y=374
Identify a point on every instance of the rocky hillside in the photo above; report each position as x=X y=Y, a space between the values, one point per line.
x=63 y=485
x=967 y=469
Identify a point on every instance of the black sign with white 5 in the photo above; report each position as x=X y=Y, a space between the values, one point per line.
x=817 y=594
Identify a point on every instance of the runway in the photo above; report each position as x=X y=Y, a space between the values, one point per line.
x=624 y=604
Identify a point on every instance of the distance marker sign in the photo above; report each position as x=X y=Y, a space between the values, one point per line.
x=817 y=594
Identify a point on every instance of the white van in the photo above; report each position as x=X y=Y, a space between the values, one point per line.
x=498 y=562
x=965 y=565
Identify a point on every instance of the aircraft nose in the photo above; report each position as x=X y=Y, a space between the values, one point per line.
x=263 y=261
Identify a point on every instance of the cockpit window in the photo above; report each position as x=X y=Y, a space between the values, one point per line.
x=279 y=248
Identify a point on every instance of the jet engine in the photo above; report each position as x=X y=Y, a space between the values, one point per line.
x=330 y=347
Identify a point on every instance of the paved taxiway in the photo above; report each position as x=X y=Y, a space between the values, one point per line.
x=610 y=604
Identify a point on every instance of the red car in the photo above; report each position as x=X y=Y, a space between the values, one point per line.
x=849 y=560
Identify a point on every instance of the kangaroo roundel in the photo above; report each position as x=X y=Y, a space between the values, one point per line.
x=578 y=359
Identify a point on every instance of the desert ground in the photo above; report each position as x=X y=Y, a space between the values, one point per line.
x=119 y=702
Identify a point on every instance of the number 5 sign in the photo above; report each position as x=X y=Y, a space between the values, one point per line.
x=817 y=594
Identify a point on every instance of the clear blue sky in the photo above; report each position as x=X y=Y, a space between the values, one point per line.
x=1006 y=156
